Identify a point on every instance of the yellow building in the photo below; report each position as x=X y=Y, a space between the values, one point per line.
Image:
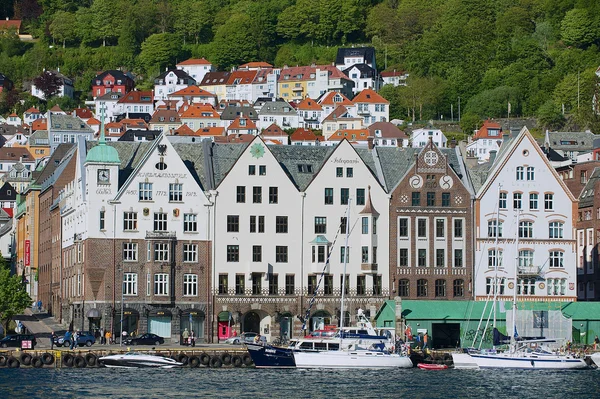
x=38 y=144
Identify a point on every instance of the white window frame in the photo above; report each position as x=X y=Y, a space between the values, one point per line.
x=190 y=223
x=161 y=284
x=175 y=192
x=190 y=284
x=130 y=252
x=190 y=252
x=130 y=281
x=129 y=221
x=160 y=221
x=161 y=251
x=145 y=191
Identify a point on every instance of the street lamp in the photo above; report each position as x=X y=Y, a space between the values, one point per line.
x=122 y=304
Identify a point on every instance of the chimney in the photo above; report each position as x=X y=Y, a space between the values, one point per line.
x=370 y=143
x=492 y=156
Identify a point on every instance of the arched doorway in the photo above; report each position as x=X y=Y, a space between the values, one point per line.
x=94 y=318
x=193 y=320
x=286 y=323
x=319 y=320
x=131 y=318
x=159 y=322
x=251 y=322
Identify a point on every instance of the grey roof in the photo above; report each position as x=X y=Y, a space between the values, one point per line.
x=6 y=227
x=368 y=53
x=289 y=157
x=572 y=141
x=68 y=123
x=586 y=198
x=478 y=175
x=395 y=163
x=44 y=179
x=365 y=71
x=130 y=155
x=231 y=112
x=278 y=107
x=180 y=73
x=109 y=96
x=56 y=170
x=39 y=137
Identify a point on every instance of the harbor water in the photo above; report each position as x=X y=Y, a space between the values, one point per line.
x=253 y=383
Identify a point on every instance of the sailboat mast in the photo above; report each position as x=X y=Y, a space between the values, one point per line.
x=346 y=254
x=497 y=257
x=514 y=305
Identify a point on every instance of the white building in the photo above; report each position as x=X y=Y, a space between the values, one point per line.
x=279 y=112
x=65 y=88
x=535 y=204
x=196 y=68
x=171 y=81
x=420 y=137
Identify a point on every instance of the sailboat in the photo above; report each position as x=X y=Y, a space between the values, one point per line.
x=521 y=354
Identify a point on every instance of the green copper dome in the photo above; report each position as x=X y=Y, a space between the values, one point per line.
x=103 y=153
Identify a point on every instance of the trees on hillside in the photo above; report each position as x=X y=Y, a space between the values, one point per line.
x=49 y=84
x=13 y=297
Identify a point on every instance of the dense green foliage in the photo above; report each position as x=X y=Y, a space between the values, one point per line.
x=538 y=55
x=13 y=297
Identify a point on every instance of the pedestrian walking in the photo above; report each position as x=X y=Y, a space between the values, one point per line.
x=108 y=339
x=192 y=338
x=425 y=340
x=102 y=337
x=74 y=340
x=53 y=336
x=185 y=335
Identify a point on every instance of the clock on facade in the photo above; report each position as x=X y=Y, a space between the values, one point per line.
x=103 y=175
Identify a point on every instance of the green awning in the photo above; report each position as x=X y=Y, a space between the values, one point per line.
x=223 y=316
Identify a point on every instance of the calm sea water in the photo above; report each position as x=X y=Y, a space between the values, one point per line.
x=314 y=384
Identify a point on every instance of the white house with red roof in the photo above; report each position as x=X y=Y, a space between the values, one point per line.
x=332 y=100
x=239 y=85
x=196 y=68
x=274 y=135
x=311 y=113
x=170 y=82
x=303 y=136
x=487 y=138
x=394 y=78
x=371 y=107
x=94 y=124
x=340 y=119
x=31 y=115
x=194 y=95
x=386 y=134
x=356 y=137
x=136 y=102
x=265 y=84
x=242 y=125
x=14 y=120
x=197 y=116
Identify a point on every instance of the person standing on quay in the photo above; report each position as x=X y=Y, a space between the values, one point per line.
x=52 y=338
x=425 y=340
x=185 y=335
x=192 y=338
x=102 y=337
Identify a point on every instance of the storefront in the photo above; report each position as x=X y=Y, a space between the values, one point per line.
x=131 y=318
x=193 y=320
x=226 y=325
x=159 y=322
x=94 y=318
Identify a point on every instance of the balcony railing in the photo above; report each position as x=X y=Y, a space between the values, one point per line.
x=369 y=267
x=281 y=293
x=529 y=271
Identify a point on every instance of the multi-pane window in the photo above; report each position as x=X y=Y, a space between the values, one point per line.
x=458 y=258
x=494 y=228
x=318 y=253
x=190 y=252
x=365 y=254
x=241 y=194
x=145 y=192
x=311 y=284
x=525 y=229
x=320 y=225
x=556 y=259
x=530 y=173
x=161 y=251
x=256 y=253
x=349 y=172
x=281 y=224
x=361 y=285
x=502 y=200
x=422 y=228
x=190 y=222
x=556 y=286
x=329 y=196
x=102 y=221
x=262 y=170
x=416 y=198
x=445 y=199
x=365 y=225
x=273 y=195
x=129 y=221
x=252 y=170
x=343 y=224
x=281 y=254
x=339 y=172
x=555 y=229
x=360 y=196
x=458 y=288
x=548 y=202
x=161 y=284
x=160 y=221
x=344 y=255
x=403 y=257
x=377 y=285
x=290 y=287
x=190 y=285
x=344 y=195
x=328 y=284
x=525 y=258
x=130 y=251
x=422 y=257
x=421 y=288
x=533 y=201
x=130 y=282
x=273 y=284
x=175 y=192
x=520 y=173
x=458 y=228
x=440 y=255
x=430 y=199
x=233 y=253
x=374 y=224
x=440 y=288
x=494 y=258
x=223 y=284
x=254 y=224
x=345 y=282
x=440 y=228
x=404 y=288
x=517 y=197
x=403 y=227
x=233 y=223
x=240 y=284
x=526 y=286
x=256 y=194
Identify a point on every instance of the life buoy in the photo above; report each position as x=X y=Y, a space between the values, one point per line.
x=91 y=359
x=3 y=360
x=204 y=359
x=47 y=359
x=25 y=359
x=215 y=362
x=13 y=363
x=236 y=361
x=194 y=361
x=36 y=362
x=226 y=358
x=67 y=360
x=79 y=362
x=247 y=360
x=183 y=359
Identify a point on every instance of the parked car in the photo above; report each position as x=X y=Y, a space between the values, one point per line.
x=145 y=339
x=15 y=341
x=85 y=338
x=247 y=337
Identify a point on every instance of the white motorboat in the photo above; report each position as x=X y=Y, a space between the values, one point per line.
x=352 y=358
x=138 y=360
x=596 y=358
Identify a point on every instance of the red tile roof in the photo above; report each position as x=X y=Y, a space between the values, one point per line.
x=308 y=104
x=302 y=134
x=392 y=73
x=484 y=131
x=199 y=111
x=7 y=24
x=273 y=130
x=210 y=131
x=32 y=110
x=369 y=96
x=350 y=134
x=93 y=121
x=328 y=99
x=195 y=61
x=192 y=91
x=39 y=124
x=245 y=77
x=339 y=112
x=83 y=113
x=137 y=97
x=256 y=64
x=235 y=125
x=184 y=130
x=387 y=130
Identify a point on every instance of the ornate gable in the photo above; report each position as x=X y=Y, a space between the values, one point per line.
x=431 y=160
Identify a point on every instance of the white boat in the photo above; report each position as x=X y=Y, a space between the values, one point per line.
x=596 y=358
x=138 y=360
x=520 y=353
